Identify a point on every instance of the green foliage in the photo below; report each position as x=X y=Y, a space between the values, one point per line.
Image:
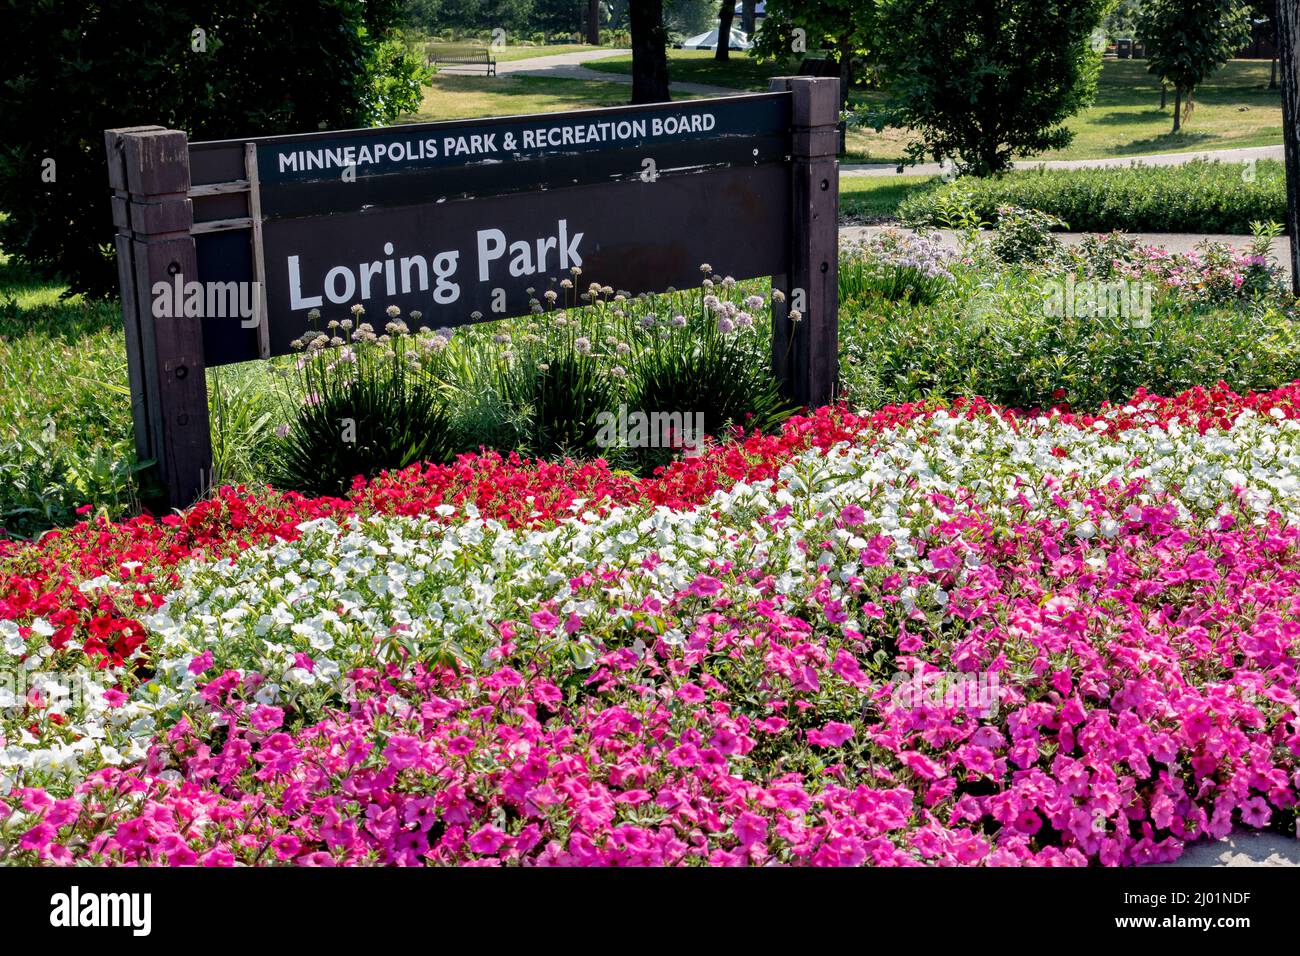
x=65 y=416
x=1187 y=40
x=985 y=83
x=257 y=67
x=894 y=266
x=993 y=334
x=1121 y=21
x=1200 y=196
x=846 y=28
x=555 y=390
x=1025 y=235
x=687 y=363
x=361 y=408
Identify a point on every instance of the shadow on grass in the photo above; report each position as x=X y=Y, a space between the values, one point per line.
x=1132 y=117
x=33 y=305
x=1165 y=143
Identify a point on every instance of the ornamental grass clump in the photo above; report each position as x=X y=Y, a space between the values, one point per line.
x=895 y=266
x=707 y=356
x=364 y=402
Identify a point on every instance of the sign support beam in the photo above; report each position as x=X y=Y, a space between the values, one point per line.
x=150 y=176
x=805 y=350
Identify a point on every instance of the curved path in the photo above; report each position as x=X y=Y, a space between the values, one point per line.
x=569 y=66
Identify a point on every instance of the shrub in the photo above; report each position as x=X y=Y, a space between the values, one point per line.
x=1198 y=196
x=989 y=83
x=366 y=406
x=1025 y=235
x=996 y=334
x=713 y=361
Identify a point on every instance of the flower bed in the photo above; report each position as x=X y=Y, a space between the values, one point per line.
x=925 y=635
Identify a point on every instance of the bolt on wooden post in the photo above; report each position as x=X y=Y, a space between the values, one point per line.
x=805 y=353
x=150 y=177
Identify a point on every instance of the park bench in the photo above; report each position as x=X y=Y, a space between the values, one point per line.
x=460 y=55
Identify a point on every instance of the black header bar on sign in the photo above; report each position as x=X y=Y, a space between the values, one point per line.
x=320 y=173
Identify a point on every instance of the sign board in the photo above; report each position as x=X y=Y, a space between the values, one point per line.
x=459 y=221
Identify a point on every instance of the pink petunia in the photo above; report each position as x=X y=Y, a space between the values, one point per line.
x=544 y=621
x=834 y=734
x=266 y=718
x=749 y=828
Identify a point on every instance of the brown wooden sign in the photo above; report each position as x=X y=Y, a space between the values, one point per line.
x=225 y=247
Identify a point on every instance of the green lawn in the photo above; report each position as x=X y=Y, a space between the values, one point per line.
x=740 y=72
x=65 y=410
x=868 y=199
x=508 y=54
x=1234 y=109
x=466 y=97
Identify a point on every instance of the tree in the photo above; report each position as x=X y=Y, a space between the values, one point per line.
x=689 y=17
x=1288 y=35
x=239 y=68
x=649 y=52
x=747 y=11
x=984 y=81
x=1187 y=40
x=847 y=28
x=593 y=22
x=726 y=16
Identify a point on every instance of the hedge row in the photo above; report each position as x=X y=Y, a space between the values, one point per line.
x=1200 y=196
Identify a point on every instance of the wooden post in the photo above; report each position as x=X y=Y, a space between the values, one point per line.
x=150 y=176
x=805 y=356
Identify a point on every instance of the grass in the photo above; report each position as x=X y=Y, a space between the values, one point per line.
x=66 y=437
x=868 y=199
x=1234 y=109
x=467 y=97
x=740 y=72
x=509 y=54
x=65 y=410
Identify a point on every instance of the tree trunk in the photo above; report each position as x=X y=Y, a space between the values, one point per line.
x=726 y=16
x=1164 y=96
x=1288 y=35
x=747 y=9
x=593 y=22
x=1178 y=107
x=846 y=71
x=649 y=52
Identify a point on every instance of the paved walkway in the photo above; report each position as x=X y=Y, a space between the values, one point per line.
x=1158 y=159
x=1173 y=241
x=569 y=66
x=1245 y=848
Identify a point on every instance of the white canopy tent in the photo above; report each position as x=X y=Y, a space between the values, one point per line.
x=709 y=41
